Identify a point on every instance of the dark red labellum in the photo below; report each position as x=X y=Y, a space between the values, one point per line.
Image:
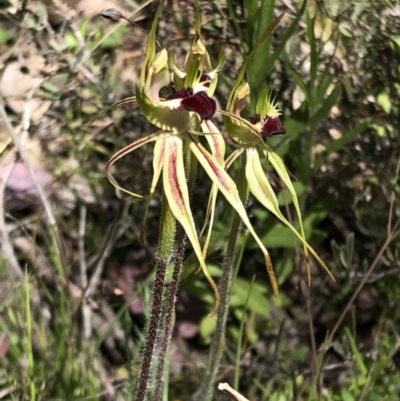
x=202 y=104
x=272 y=126
x=199 y=102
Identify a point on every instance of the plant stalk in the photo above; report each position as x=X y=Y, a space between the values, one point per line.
x=169 y=320
x=204 y=393
x=165 y=249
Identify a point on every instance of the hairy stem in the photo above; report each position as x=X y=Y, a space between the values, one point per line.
x=165 y=249
x=169 y=319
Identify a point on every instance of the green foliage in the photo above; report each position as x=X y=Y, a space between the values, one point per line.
x=70 y=371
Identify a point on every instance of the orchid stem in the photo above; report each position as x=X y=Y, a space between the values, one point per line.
x=205 y=391
x=169 y=320
x=165 y=250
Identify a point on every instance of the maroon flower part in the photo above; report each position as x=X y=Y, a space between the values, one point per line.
x=198 y=102
x=269 y=125
x=182 y=94
x=255 y=119
x=206 y=80
x=272 y=126
x=202 y=104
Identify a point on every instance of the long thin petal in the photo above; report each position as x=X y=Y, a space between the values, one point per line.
x=121 y=153
x=233 y=156
x=228 y=188
x=281 y=170
x=177 y=194
x=123 y=101
x=217 y=146
x=158 y=161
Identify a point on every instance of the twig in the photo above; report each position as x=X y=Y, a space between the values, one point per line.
x=388 y=240
x=226 y=388
x=389 y=228
x=116 y=26
x=8 y=250
x=19 y=145
x=306 y=294
x=18 y=142
x=86 y=311
x=81 y=246
x=67 y=15
x=94 y=280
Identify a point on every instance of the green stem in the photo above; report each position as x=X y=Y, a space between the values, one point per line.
x=165 y=249
x=204 y=393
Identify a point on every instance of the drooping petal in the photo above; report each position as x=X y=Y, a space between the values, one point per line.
x=177 y=194
x=228 y=188
x=123 y=152
x=217 y=146
x=261 y=188
x=233 y=156
x=281 y=170
x=215 y=140
x=158 y=161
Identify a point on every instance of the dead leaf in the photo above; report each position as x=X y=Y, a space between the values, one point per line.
x=17 y=80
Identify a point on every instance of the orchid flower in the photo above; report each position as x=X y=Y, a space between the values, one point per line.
x=181 y=118
x=252 y=135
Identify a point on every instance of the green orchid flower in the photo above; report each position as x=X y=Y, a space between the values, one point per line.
x=252 y=135
x=181 y=118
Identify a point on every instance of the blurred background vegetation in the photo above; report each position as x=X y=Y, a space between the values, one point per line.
x=75 y=284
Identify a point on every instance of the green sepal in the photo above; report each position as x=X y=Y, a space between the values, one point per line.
x=158 y=162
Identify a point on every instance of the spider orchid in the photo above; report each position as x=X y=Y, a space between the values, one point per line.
x=181 y=118
x=252 y=135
